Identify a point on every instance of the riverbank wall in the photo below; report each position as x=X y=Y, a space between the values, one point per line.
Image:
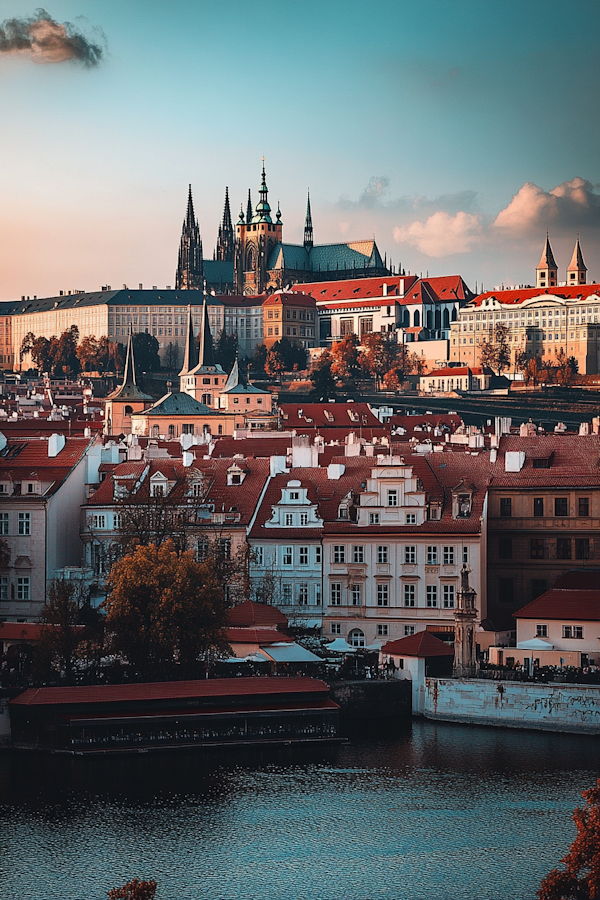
x=572 y=708
x=367 y=700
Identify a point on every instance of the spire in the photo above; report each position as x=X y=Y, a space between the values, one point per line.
x=547 y=258
x=233 y=379
x=308 y=227
x=263 y=210
x=190 y=356
x=190 y=265
x=206 y=352
x=225 y=245
x=546 y=269
x=577 y=269
x=129 y=373
x=249 y=212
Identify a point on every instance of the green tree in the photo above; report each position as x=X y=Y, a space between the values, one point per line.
x=323 y=382
x=580 y=880
x=226 y=349
x=145 y=348
x=65 y=360
x=164 y=607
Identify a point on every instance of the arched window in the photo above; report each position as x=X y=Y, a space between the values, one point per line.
x=207 y=399
x=417 y=318
x=429 y=319
x=446 y=319
x=406 y=319
x=356 y=638
x=128 y=410
x=438 y=320
x=454 y=315
x=155 y=431
x=250 y=259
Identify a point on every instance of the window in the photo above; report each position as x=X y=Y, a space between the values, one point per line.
x=223 y=548
x=373 y=518
x=356 y=594
x=573 y=631
x=411 y=518
x=392 y=498
x=286 y=593
x=410 y=555
x=448 y=596
x=287 y=556
x=289 y=519
x=336 y=628
x=582 y=548
x=465 y=554
x=202 y=550
x=410 y=594
x=541 y=631
x=339 y=553
x=382 y=555
x=358 y=554
x=303 y=556
x=431 y=595
x=24 y=523
x=505 y=550
x=356 y=638
x=432 y=556
x=538 y=586
x=259 y=556
x=304 y=518
x=383 y=592
x=3 y=523
x=536 y=548
x=561 y=506
x=505 y=507
x=318 y=554
x=506 y=590
x=336 y=593
x=538 y=506
x=303 y=595
x=23 y=589
x=408 y=630
x=382 y=631
x=4 y=588
x=563 y=548
x=318 y=594
x=583 y=506
x=294 y=495
x=448 y=556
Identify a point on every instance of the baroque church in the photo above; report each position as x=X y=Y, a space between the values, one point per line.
x=253 y=258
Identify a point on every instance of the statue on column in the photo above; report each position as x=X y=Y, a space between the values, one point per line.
x=465 y=618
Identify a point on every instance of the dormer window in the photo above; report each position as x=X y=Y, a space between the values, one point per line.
x=294 y=495
x=159 y=486
x=235 y=475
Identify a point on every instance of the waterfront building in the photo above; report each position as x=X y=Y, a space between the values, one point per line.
x=541 y=321
x=43 y=482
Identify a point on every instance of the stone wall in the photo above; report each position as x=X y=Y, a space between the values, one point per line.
x=552 y=707
x=375 y=700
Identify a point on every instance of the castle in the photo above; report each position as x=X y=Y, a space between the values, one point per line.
x=253 y=258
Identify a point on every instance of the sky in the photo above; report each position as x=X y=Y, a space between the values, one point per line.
x=456 y=131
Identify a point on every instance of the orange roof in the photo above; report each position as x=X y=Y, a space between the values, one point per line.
x=250 y=615
x=567 y=292
x=422 y=645
x=292 y=299
x=574 y=605
x=355 y=288
x=459 y=370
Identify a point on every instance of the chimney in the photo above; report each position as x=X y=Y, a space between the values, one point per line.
x=188 y=458
x=140 y=286
x=55 y=444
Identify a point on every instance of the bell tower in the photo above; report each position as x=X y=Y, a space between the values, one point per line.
x=256 y=236
x=577 y=270
x=546 y=270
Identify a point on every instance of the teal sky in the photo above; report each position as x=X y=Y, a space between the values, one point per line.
x=418 y=122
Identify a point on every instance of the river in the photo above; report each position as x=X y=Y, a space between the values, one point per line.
x=431 y=812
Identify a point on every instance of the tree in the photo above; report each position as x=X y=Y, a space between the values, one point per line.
x=379 y=355
x=145 y=348
x=134 y=890
x=581 y=878
x=495 y=353
x=61 y=634
x=172 y=356
x=345 y=362
x=226 y=350
x=259 y=359
x=65 y=360
x=116 y=357
x=165 y=608
x=323 y=382
x=88 y=354
x=274 y=363
x=532 y=372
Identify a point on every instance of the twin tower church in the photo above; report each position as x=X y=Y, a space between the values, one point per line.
x=253 y=258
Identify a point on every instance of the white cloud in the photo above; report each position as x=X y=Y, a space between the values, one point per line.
x=441 y=234
x=569 y=205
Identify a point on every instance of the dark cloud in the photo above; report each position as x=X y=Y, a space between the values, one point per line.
x=46 y=41
x=375 y=196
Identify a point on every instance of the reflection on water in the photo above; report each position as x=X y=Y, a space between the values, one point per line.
x=433 y=811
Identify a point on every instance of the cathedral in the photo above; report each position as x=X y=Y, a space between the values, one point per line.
x=253 y=258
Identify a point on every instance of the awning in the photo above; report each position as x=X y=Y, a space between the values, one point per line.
x=288 y=653
x=340 y=645
x=535 y=644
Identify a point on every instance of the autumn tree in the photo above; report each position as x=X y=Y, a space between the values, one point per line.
x=345 y=362
x=323 y=382
x=580 y=880
x=274 y=363
x=134 y=890
x=41 y=349
x=61 y=633
x=259 y=359
x=378 y=355
x=495 y=353
x=66 y=361
x=165 y=608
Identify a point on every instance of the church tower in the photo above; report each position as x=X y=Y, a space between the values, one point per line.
x=200 y=376
x=546 y=270
x=308 y=228
x=225 y=245
x=190 y=265
x=255 y=239
x=127 y=398
x=576 y=272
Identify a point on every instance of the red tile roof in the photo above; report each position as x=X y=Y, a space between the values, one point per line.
x=571 y=605
x=575 y=461
x=458 y=370
x=350 y=416
x=27 y=458
x=583 y=580
x=422 y=645
x=257 y=636
x=171 y=690
x=291 y=299
x=355 y=288
x=249 y=615
x=20 y=631
x=568 y=292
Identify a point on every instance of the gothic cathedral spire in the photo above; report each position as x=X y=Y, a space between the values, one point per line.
x=225 y=244
x=308 y=227
x=190 y=265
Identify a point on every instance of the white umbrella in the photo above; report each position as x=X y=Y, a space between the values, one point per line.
x=340 y=645
x=535 y=644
